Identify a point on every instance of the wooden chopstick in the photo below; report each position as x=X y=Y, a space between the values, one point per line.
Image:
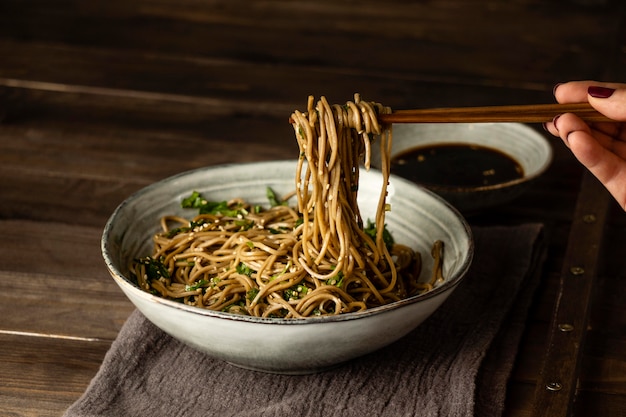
x=533 y=113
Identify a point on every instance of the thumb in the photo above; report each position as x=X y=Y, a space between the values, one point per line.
x=609 y=101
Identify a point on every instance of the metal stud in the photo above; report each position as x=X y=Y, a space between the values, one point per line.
x=554 y=386
x=577 y=270
x=589 y=218
x=565 y=327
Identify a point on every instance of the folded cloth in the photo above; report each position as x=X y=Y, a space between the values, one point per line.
x=439 y=369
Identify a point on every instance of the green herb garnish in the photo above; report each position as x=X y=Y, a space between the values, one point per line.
x=155 y=269
x=296 y=292
x=337 y=280
x=251 y=293
x=196 y=285
x=196 y=201
x=273 y=199
x=244 y=269
x=371 y=231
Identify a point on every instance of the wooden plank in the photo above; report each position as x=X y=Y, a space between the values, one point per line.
x=58 y=321
x=49 y=248
x=86 y=201
x=225 y=86
x=518 y=405
x=110 y=153
x=56 y=282
x=603 y=367
x=96 y=168
x=601 y=404
x=61 y=307
x=296 y=32
x=604 y=373
x=556 y=388
x=43 y=376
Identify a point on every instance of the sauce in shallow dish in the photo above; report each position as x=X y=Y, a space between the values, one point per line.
x=456 y=165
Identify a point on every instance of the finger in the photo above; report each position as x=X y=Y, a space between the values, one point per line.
x=589 y=151
x=577 y=91
x=610 y=129
x=564 y=125
x=601 y=162
x=567 y=123
x=551 y=128
x=608 y=100
x=573 y=91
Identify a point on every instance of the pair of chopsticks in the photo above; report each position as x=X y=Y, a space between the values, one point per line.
x=533 y=113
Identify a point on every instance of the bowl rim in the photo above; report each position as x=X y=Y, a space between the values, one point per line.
x=126 y=283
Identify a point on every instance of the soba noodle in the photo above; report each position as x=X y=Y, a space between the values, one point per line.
x=316 y=257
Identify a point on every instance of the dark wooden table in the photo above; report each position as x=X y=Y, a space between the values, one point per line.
x=100 y=98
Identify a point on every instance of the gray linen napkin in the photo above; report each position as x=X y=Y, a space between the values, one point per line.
x=446 y=367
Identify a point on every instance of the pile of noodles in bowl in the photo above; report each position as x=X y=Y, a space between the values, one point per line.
x=272 y=266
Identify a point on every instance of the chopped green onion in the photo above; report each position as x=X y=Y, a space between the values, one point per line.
x=196 y=285
x=273 y=199
x=244 y=269
x=155 y=269
x=251 y=293
x=371 y=231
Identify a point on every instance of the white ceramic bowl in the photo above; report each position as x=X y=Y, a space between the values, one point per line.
x=521 y=142
x=417 y=218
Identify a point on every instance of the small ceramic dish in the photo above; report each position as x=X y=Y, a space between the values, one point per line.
x=468 y=183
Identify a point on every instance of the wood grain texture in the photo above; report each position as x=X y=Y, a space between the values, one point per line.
x=100 y=98
x=42 y=376
x=558 y=381
x=481 y=41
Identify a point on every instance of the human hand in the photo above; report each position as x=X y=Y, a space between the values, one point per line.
x=599 y=146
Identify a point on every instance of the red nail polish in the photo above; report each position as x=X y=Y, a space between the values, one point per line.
x=600 y=92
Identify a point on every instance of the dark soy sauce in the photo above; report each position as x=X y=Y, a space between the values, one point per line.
x=456 y=165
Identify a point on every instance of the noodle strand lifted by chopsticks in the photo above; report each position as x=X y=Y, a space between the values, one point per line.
x=316 y=258
x=333 y=141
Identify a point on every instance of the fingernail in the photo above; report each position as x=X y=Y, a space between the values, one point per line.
x=555 y=87
x=600 y=92
x=554 y=121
